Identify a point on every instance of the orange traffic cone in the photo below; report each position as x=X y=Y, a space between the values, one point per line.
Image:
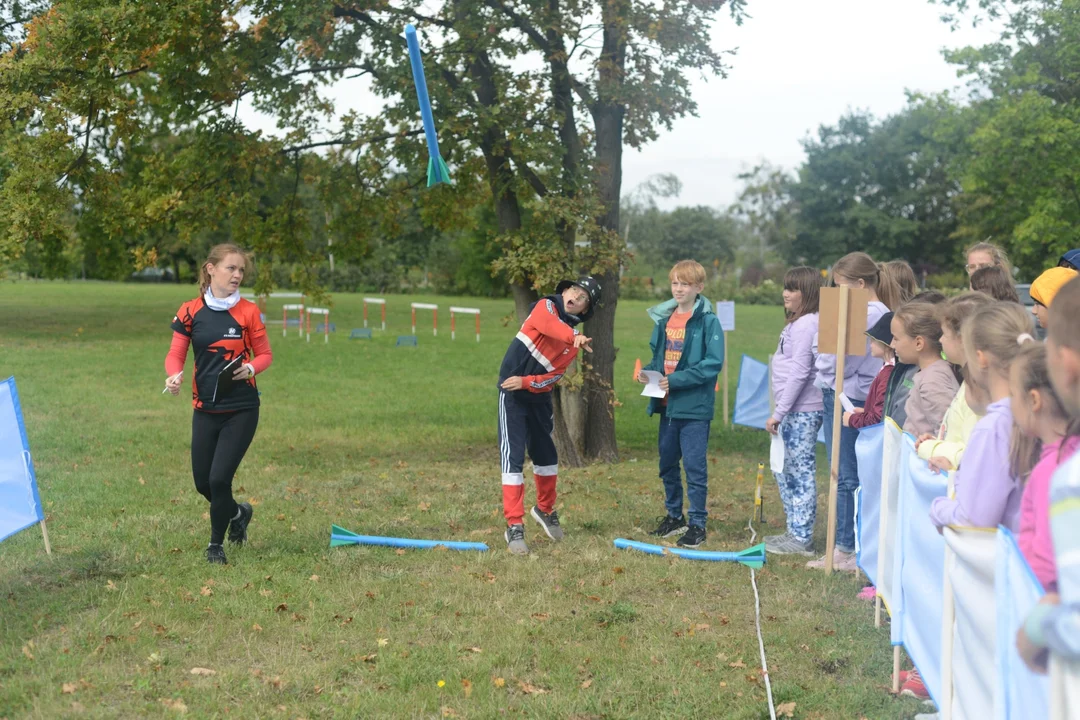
x=717 y=385
x=637 y=369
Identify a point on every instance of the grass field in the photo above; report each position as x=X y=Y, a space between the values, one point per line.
x=394 y=441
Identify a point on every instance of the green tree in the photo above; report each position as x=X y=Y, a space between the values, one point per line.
x=766 y=206
x=1021 y=182
x=535 y=102
x=885 y=188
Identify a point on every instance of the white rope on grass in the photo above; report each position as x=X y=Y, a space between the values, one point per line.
x=757 y=621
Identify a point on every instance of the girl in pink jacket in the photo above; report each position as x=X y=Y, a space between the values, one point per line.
x=1041 y=418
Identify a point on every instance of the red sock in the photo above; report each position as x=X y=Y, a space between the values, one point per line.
x=545 y=492
x=513 y=490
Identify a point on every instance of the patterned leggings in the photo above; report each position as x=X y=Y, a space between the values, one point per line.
x=798 y=488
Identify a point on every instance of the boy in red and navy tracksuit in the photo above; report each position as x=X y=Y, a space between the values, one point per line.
x=537 y=357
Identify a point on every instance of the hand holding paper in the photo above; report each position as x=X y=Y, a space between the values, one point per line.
x=653 y=389
x=847 y=404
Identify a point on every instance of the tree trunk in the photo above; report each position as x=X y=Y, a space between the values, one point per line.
x=607 y=113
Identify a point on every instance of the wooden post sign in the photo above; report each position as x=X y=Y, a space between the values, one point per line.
x=841 y=332
x=725 y=312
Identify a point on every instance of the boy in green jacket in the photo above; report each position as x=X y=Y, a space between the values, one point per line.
x=688 y=348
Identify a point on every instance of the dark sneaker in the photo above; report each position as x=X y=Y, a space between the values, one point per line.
x=670 y=526
x=515 y=540
x=215 y=554
x=548 y=521
x=692 y=538
x=238 y=527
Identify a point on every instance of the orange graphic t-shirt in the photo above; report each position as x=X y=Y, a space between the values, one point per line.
x=673 y=343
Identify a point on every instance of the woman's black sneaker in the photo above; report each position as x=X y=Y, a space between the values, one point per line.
x=670 y=526
x=692 y=538
x=215 y=554
x=238 y=527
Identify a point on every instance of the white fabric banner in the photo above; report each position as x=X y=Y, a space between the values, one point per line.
x=868 y=449
x=1018 y=692
x=971 y=572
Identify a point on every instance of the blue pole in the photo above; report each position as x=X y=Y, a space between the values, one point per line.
x=754 y=556
x=351 y=539
x=437 y=171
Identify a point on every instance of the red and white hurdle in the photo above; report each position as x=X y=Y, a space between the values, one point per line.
x=434 y=316
x=381 y=302
x=299 y=319
x=464 y=311
x=325 y=312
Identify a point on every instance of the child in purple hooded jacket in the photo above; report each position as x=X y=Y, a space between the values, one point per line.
x=797 y=414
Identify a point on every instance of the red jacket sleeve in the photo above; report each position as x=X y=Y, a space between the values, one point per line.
x=177 y=355
x=543 y=383
x=874 y=409
x=545 y=318
x=260 y=345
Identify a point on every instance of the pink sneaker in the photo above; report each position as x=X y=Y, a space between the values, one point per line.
x=868 y=593
x=842 y=561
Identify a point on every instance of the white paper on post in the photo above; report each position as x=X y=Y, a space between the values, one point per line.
x=653 y=388
x=776 y=454
x=725 y=313
x=847 y=404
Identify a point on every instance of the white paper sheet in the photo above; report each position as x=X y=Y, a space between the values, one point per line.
x=776 y=454
x=848 y=407
x=653 y=388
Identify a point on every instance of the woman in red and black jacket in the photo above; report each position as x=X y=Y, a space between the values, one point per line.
x=224 y=330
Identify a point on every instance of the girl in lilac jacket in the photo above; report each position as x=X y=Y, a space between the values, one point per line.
x=855 y=270
x=988 y=485
x=797 y=414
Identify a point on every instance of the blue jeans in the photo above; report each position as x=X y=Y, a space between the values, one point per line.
x=848 y=480
x=685 y=440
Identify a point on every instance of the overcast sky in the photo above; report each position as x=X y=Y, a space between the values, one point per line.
x=799 y=64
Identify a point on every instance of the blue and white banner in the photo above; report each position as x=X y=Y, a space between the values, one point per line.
x=1018 y=692
x=752 y=394
x=888 y=543
x=919 y=567
x=868 y=448
x=20 y=505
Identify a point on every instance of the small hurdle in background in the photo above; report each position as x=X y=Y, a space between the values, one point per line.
x=464 y=311
x=299 y=319
x=382 y=303
x=434 y=316
x=325 y=312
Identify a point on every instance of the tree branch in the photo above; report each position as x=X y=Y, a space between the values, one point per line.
x=527 y=172
x=86 y=146
x=350 y=141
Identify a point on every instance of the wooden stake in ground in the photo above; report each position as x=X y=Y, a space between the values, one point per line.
x=725 y=313
x=841 y=331
x=45 y=534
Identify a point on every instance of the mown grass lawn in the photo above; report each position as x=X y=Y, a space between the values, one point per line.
x=394 y=441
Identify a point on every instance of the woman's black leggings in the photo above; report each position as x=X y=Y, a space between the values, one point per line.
x=218 y=444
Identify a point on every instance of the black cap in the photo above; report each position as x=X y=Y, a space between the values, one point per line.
x=882 y=330
x=591 y=287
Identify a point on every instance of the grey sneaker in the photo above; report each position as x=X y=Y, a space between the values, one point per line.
x=515 y=540
x=548 y=521
x=788 y=545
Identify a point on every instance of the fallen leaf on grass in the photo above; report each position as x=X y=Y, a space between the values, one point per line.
x=206 y=591
x=785 y=710
x=283 y=607
x=203 y=672
x=423 y=507
x=383 y=642
x=257 y=627
x=68 y=688
x=737 y=664
x=369 y=658
x=26 y=652
x=110 y=585
x=399 y=551
x=498 y=682
x=466 y=685
x=448 y=712
x=174 y=704
x=474 y=649
x=530 y=689
x=540 y=616
x=587 y=684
